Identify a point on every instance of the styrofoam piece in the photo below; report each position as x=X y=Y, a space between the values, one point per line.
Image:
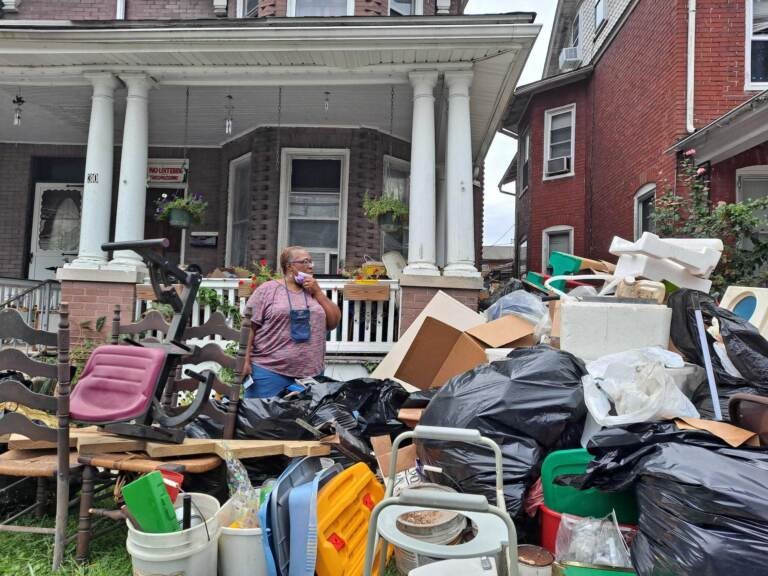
x=655 y=269
x=739 y=299
x=698 y=261
x=495 y=354
x=590 y=330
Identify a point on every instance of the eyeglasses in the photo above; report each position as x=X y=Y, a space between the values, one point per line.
x=305 y=261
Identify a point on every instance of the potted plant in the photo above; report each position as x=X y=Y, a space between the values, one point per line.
x=388 y=211
x=246 y=286
x=180 y=211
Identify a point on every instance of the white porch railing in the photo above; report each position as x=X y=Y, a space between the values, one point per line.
x=365 y=328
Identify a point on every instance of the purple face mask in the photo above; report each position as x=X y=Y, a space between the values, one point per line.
x=299 y=278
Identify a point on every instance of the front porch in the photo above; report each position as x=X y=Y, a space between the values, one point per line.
x=283 y=126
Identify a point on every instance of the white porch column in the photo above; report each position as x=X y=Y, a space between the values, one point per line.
x=132 y=188
x=97 y=189
x=460 y=229
x=421 y=218
x=441 y=213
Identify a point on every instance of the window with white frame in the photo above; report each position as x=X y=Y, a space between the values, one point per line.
x=313 y=193
x=575 y=31
x=524 y=157
x=559 y=136
x=757 y=43
x=645 y=208
x=397 y=184
x=522 y=258
x=599 y=15
x=239 y=212
x=401 y=8
x=556 y=239
x=321 y=7
x=752 y=184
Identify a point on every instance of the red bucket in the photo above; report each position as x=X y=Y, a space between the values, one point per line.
x=172 y=481
x=550 y=524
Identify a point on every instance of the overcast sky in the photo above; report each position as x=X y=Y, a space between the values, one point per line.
x=500 y=208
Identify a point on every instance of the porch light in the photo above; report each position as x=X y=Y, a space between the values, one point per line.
x=229 y=107
x=18 y=102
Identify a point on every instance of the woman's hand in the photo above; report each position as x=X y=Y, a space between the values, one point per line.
x=311 y=286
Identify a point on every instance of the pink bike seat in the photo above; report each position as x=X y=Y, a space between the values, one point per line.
x=118 y=383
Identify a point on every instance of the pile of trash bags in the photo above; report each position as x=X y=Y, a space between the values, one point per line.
x=703 y=504
x=746 y=349
x=530 y=404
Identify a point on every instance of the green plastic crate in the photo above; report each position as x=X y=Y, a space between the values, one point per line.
x=575 y=569
x=563 y=264
x=149 y=502
x=592 y=502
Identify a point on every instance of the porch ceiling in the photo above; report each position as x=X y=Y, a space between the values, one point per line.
x=355 y=59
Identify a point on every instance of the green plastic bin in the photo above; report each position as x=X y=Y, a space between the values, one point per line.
x=149 y=502
x=592 y=502
x=575 y=569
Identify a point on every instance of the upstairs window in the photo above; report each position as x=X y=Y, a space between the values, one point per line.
x=575 y=31
x=645 y=207
x=559 y=135
x=524 y=156
x=757 y=42
x=401 y=8
x=251 y=8
x=321 y=7
x=599 y=15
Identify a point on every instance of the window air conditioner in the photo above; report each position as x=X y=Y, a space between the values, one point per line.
x=560 y=165
x=570 y=58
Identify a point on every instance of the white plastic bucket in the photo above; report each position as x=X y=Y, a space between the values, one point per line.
x=191 y=552
x=240 y=549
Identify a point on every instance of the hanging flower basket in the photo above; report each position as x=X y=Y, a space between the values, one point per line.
x=389 y=222
x=179 y=218
x=390 y=213
x=180 y=211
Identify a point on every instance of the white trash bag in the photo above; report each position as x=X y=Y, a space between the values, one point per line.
x=634 y=386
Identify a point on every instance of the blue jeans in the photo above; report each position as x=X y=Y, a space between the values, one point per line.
x=266 y=383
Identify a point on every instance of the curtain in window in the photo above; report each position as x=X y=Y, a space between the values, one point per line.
x=321 y=7
x=59 y=222
x=560 y=135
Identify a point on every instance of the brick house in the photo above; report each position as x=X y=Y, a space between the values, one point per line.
x=627 y=86
x=283 y=114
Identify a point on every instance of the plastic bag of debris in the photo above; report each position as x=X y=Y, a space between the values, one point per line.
x=703 y=504
x=596 y=541
x=530 y=403
x=746 y=349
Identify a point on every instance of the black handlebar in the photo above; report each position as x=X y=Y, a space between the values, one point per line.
x=136 y=244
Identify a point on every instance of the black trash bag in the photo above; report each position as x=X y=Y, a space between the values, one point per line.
x=213 y=482
x=203 y=426
x=420 y=398
x=273 y=418
x=530 y=403
x=746 y=348
x=703 y=504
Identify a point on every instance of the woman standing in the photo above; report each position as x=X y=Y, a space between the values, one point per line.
x=291 y=317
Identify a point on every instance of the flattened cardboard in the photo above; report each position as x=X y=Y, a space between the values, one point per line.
x=442 y=307
x=410 y=416
x=729 y=433
x=382 y=449
x=554 y=315
x=507 y=331
x=438 y=352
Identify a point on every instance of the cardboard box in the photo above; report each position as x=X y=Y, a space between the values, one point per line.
x=440 y=351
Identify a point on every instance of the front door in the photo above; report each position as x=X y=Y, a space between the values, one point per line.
x=55 y=228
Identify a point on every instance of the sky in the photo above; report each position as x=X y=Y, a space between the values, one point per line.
x=498 y=227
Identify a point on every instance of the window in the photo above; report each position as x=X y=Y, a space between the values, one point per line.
x=321 y=7
x=239 y=216
x=251 y=8
x=397 y=184
x=556 y=239
x=401 y=8
x=751 y=184
x=757 y=43
x=524 y=156
x=522 y=259
x=599 y=15
x=559 y=128
x=575 y=31
x=645 y=207
x=313 y=204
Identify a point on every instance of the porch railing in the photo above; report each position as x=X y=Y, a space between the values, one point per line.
x=365 y=328
x=38 y=301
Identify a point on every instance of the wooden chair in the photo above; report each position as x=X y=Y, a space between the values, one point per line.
x=142 y=464
x=143 y=330
x=44 y=465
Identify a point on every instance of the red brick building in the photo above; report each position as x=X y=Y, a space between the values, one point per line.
x=627 y=86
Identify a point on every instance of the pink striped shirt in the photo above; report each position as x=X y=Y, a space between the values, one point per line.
x=273 y=347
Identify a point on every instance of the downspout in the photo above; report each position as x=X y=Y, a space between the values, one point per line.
x=120 y=10
x=691 y=76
